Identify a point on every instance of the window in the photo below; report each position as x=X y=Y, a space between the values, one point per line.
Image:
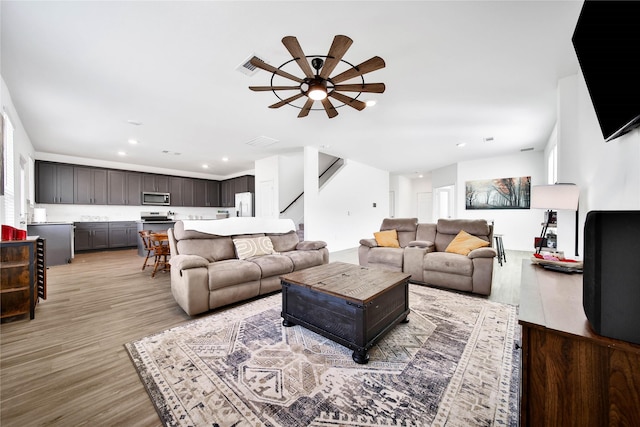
x=8 y=207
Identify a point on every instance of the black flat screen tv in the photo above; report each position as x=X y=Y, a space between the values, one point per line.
x=607 y=43
x=611 y=274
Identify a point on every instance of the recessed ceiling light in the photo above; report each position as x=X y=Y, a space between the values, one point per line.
x=205 y=166
x=371 y=102
x=461 y=144
x=133 y=141
x=121 y=153
x=225 y=159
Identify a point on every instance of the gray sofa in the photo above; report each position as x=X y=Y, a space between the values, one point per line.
x=206 y=272
x=422 y=253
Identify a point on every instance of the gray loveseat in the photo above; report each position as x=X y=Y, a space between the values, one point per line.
x=422 y=253
x=206 y=271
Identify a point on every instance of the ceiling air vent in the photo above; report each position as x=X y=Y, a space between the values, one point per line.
x=262 y=141
x=246 y=67
x=527 y=149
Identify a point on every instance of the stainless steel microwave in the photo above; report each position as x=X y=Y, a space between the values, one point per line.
x=159 y=199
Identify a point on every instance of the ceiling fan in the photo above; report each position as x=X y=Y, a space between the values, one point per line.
x=318 y=85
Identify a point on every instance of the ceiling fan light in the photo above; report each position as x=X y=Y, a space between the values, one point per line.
x=317 y=92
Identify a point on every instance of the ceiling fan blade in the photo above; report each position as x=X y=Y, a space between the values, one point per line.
x=367 y=87
x=268 y=88
x=286 y=101
x=352 y=102
x=264 y=66
x=367 y=66
x=337 y=50
x=305 y=110
x=292 y=45
x=329 y=108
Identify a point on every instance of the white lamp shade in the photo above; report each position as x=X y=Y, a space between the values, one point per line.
x=555 y=197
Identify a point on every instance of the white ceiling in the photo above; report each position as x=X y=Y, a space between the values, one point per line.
x=457 y=72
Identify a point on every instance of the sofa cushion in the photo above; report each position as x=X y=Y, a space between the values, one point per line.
x=446 y=262
x=305 y=259
x=464 y=243
x=183 y=262
x=405 y=227
x=284 y=242
x=256 y=246
x=232 y=272
x=273 y=265
x=311 y=245
x=214 y=249
x=387 y=238
x=390 y=257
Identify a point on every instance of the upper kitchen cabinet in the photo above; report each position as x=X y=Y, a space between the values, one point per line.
x=155 y=183
x=206 y=193
x=124 y=188
x=54 y=182
x=230 y=187
x=181 y=190
x=90 y=186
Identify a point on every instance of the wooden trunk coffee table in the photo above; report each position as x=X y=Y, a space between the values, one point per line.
x=351 y=305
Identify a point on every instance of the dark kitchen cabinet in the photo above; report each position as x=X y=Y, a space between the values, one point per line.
x=89 y=186
x=54 y=182
x=91 y=235
x=123 y=234
x=229 y=188
x=182 y=191
x=124 y=188
x=155 y=183
x=207 y=193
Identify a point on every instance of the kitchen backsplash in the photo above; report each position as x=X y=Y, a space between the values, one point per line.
x=78 y=213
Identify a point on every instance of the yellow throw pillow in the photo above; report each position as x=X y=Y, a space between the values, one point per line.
x=387 y=238
x=464 y=243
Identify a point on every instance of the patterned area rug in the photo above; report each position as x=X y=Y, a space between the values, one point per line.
x=454 y=363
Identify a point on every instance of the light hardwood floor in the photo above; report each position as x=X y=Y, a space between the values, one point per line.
x=69 y=367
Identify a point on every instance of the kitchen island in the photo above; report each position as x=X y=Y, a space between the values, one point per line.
x=59 y=240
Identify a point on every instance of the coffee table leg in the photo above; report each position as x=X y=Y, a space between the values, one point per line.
x=360 y=357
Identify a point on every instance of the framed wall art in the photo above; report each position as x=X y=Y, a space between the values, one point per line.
x=499 y=193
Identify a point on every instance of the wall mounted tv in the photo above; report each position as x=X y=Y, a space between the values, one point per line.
x=607 y=42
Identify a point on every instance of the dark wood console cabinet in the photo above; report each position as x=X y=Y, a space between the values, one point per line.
x=571 y=376
x=24 y=276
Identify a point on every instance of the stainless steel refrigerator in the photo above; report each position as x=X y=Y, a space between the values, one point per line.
x=244 y=204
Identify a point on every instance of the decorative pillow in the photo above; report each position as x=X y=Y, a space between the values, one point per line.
x=464 y=243
x=255 y=246
x=387 y=238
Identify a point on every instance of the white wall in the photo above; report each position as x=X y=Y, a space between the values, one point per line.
x=291 y=179
x=518 y=226
x=342 y=212
x=402 y=197
x=608 y=173
x=22 y=147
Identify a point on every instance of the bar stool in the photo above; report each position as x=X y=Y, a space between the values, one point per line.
x=500 y=248
x=160 y=246
x=144 y=235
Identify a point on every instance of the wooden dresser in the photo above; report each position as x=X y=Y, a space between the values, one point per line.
x=24 y=276
x=570 y=375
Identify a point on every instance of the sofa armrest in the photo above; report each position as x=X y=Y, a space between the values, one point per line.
x=184 y=262
x=311 y=245
x=371 y=243
x=482 y=253
x=421 y=244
